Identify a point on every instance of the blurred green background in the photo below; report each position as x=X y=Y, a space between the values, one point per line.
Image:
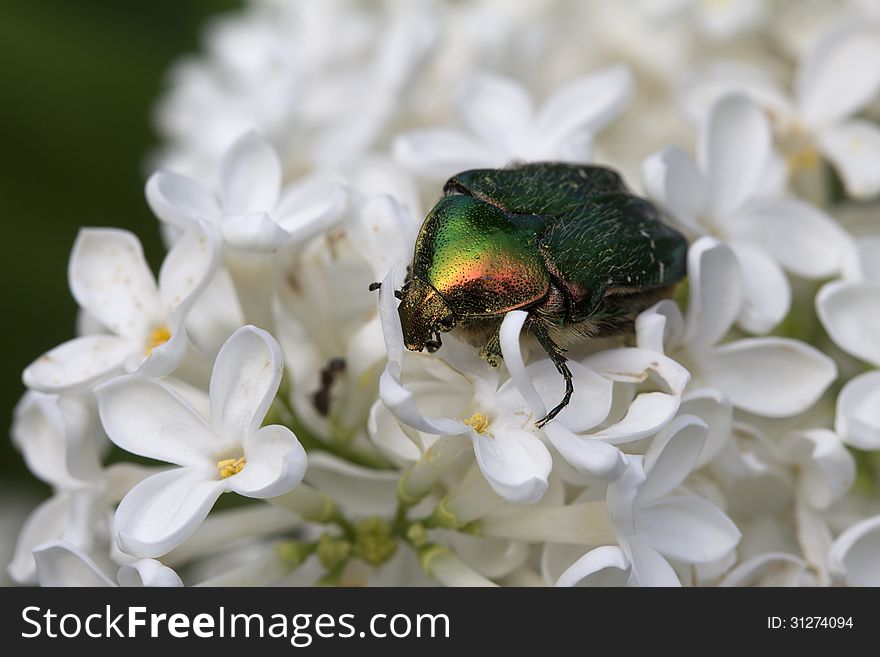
x=77 y=83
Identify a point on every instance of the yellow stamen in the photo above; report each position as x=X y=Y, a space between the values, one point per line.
x=478 y=422
x=158 y=337
x=804 y=159
x=229 y=467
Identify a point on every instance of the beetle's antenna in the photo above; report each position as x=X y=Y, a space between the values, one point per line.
x=374 y=286
x=556 y=354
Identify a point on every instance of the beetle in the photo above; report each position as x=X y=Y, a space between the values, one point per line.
x=568 y=243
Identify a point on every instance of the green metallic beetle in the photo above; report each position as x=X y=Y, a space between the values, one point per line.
x=567 y=243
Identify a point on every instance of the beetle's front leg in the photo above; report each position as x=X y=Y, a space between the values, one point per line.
x=557 y=355
x=491 y=352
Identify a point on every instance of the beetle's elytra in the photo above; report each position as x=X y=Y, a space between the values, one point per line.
x=567 y=243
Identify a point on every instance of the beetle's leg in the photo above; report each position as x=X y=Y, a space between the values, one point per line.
x=557 y=355
x=434 y=343
x=492 y=351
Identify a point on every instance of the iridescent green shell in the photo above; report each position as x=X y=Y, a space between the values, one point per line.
x=477 y=259
x=499 y=238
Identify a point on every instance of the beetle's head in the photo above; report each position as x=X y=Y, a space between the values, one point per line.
x=424 y=315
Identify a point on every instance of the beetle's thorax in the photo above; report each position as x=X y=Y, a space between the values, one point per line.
x=481 y=263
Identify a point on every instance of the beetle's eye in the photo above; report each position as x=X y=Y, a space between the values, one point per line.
x=446 y=323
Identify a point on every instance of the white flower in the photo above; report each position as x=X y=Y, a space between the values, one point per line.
x=340 y=341
x=849 y=310
x=832 y=85
x=61 y=441
x=249 y=207
x=500 y=419
x=650 y=524
x=248 y=81
x=855 y=555
x=571 y=435
x=111 y=281
x=726 y=196
x=790 y=480
x=62 y=564
x=511 y=456
x=772 y=377
x=228 y=453
x=502 y=124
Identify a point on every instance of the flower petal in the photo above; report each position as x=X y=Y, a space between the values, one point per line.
x=148 y=572
x=833 y=82
x=766 y=292
x=162 y=511
x=77 y=363
x=863 y=262
x=649 y=410
x=662 y=323
x=357 y=489
x=769 y=569
x=441 y=152
x=386 y=233
x=734 y=149
x=188 y=267
x=144 y=417
x=515 y=463
x=276 y=463
x=508 y=338
x=62 y=564
x=857 y=419
x=590 y=402
x=799 y=236
x=715 y=409
x=215 y=314
x=672 y=179
x=309 y=207
x=632 y=365
x=253 y=232
x=181 y=201
x=850 y=312
x=586 y=104
x=109 y=278
x=390 y=437
x=593 y=563
x=671 y=457
x=45 y=523
x=715 y=294
x=649 y=568
x=250 y=175
x=773 y=377
x=687 y=529
x=854 y=149
x=246 y=377
x=855 y=554
x=827 y=469
x=57 y=437
x=585 y=453
x=495 y=108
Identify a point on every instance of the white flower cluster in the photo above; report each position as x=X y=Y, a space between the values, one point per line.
x=718 y=445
